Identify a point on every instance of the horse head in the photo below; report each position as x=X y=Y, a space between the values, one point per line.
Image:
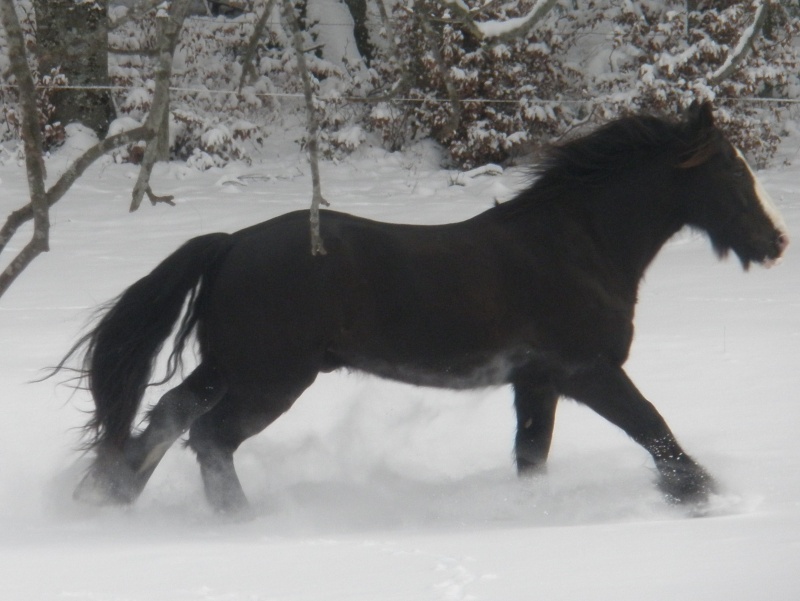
x=724 y=196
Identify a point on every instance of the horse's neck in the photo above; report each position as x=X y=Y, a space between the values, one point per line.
x=621 y=230
x=630 y=227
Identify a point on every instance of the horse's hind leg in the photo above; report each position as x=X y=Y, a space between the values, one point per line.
x=535 y=403
x=609 y=391
x=120 y=477
x=217 y=434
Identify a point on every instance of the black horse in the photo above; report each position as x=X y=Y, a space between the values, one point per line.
x=538 y=292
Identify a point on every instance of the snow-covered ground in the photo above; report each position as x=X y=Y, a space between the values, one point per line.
x=378 y=491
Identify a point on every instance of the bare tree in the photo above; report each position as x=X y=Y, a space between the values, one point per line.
x=41 y=198
x=258 y=31
x=312 y=127
x=32 y=138
x=358 y=10
x=157 y=119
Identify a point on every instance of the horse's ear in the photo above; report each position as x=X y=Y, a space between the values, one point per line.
x=699 y=125
x=700 y=115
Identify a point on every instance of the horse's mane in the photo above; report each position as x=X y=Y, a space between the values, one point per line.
x=596 y=158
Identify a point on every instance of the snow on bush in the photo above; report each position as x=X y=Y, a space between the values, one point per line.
x=651 y=56
x=664 y=57
x=502 y=96
x=220 y=106
x=53 y=133
x=213 y=113
x=484 y=99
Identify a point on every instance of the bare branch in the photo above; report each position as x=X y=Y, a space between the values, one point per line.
x=73 y=172
x=312 y=126
x=24 y=258
x=149 y=52
x=168 y=199
x=157 y=116
x=83 y=162
x=14 y=220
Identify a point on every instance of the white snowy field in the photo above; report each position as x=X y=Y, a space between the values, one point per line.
x=371 y=490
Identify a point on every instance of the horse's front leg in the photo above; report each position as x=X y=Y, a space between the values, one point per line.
x=535 y=403
x=608 y=391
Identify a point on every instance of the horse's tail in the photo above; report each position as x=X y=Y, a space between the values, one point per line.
x=121 y=350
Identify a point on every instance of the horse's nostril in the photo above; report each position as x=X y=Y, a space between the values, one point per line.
x=783 y=242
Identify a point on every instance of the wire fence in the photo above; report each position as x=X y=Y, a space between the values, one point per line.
x=299 y=95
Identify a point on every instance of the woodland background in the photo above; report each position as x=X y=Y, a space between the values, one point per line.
x=208 y=82
x=370 y=489
x=397 y=71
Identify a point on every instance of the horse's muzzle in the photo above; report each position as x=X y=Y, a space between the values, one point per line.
x=781 y=244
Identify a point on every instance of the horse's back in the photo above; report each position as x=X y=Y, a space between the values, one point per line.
x=447 y=305
x=380 y=290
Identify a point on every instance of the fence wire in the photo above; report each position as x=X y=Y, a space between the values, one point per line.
x=362 y=99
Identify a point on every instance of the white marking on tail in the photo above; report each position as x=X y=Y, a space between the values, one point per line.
x=765 y=200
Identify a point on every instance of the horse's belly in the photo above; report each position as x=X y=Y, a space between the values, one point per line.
x=455 y=373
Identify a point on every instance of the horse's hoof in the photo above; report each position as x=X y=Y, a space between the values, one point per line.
x=241 y=513
x=531 y=471
x=108 y=482
x=95 y=490
x=232 y=503
x=685 y=484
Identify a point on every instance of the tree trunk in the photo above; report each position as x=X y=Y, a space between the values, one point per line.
x=73 y=36
x=32 y=140
x=312 y=128
x=158 y=118
x=358 y=10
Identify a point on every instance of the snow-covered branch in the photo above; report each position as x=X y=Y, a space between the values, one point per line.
x=513 y=28
x=133 y=13
x=745 y=45
x=500 y=31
